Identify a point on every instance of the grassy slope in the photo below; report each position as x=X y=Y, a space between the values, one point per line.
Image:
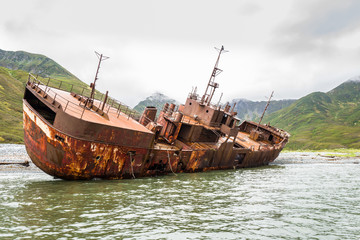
x=36 y=64
x=13 y=76
x=323 y=120
x=12 y=84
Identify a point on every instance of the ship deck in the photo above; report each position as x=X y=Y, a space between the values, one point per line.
x=71 y=106
x=243 y=138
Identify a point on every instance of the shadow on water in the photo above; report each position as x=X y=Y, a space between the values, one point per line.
x=48 y=193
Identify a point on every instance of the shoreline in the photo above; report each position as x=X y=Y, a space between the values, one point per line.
x=14 y=158
x=331 y=153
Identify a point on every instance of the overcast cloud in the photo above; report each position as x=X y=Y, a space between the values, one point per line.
x=291 y=47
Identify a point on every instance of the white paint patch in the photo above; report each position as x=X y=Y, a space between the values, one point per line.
x=93 y=147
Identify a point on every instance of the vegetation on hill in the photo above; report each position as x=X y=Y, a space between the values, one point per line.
x=14 y=69
x=36 y=64
x=12 y=83
x=323 y=120
x=317 y=121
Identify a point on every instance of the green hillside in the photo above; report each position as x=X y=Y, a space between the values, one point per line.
x=36 y=64
x=12 y=83
x=14 y=68
x=316 y=121
x=323 y=120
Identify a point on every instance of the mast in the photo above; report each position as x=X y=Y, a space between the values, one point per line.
x=92 y=85
x=265 y=109
x=206 y=98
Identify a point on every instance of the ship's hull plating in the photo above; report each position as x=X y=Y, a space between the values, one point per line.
x=67 y=157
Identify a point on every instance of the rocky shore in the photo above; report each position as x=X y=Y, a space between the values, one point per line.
x=13 y=157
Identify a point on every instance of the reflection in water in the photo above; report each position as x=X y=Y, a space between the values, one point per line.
x=288 y=200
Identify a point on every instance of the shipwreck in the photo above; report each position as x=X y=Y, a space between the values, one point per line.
x=73 y=132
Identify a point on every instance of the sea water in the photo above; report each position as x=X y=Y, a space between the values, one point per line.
x=299 y=196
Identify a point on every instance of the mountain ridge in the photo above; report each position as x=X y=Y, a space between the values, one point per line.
x=316 y=121
x=36 y=64
x=157 y=100
x=252 y=110
x=323 y=120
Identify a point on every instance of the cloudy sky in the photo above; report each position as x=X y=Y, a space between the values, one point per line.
x=289 y=46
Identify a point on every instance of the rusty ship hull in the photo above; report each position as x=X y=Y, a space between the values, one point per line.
x=87 y=153
x=71 y=136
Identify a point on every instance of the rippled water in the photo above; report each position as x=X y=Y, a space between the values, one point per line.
x=300 y=196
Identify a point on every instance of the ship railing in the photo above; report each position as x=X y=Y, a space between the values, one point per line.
x=111 y=106
x=118 y=108
x=69 y=106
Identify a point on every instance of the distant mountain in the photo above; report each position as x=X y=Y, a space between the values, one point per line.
x=246 y=109
x=14 y=68
x=323 y=120
x=316 y=121
x=250 y=110
x=36 y=64
x=156 y=100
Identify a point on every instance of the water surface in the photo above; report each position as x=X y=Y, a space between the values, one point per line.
x=300 y=196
